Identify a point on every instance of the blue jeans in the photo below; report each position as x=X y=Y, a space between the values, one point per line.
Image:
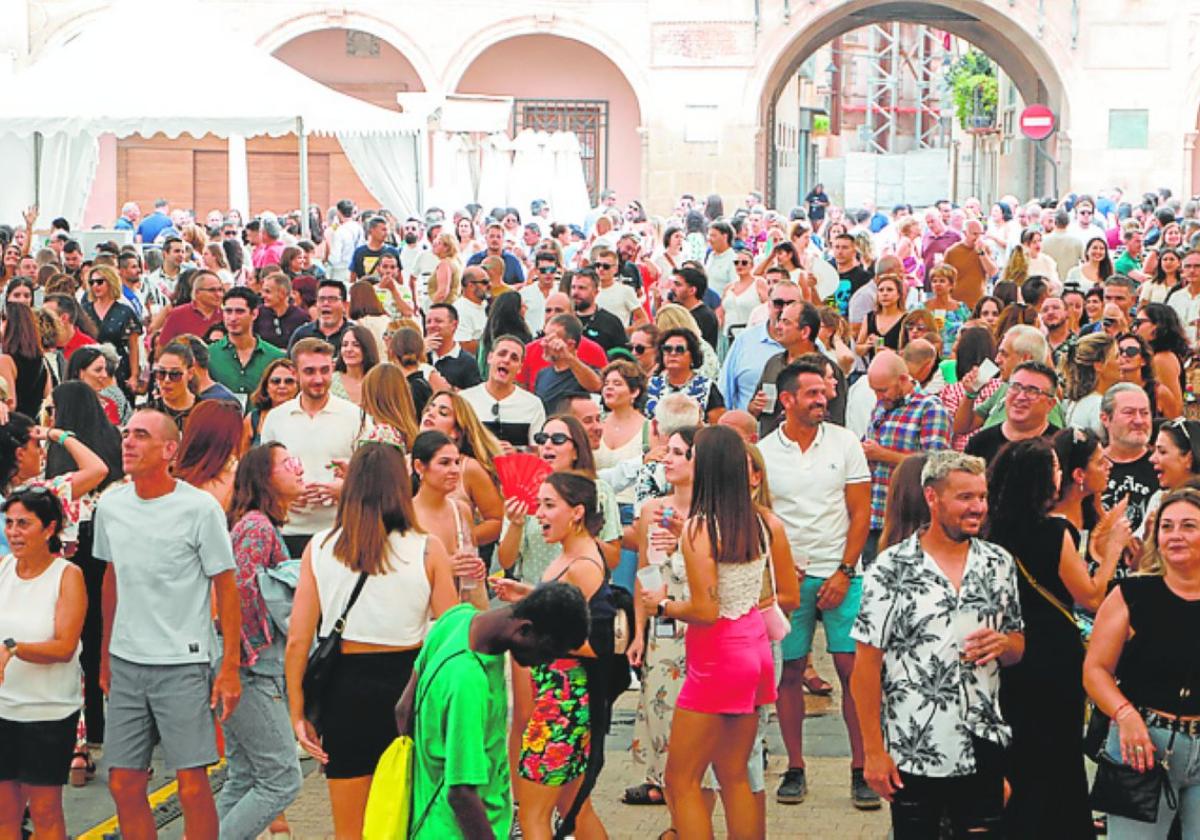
x=1184 y=774
x=626 y=571
x=264 y=772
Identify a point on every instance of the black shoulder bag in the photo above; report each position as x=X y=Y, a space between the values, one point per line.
x=322 y=662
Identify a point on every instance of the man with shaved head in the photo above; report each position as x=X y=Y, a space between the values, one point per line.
x=587 y=351
x=905 y=420
x=167 y=550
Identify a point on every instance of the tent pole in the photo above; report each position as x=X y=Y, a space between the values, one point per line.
x=303 y=138
x=38 y=139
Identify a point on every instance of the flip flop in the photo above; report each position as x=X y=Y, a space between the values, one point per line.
x=644 y=794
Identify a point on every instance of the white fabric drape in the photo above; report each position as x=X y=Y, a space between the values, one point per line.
x=239 y=175
x=68 y=168
x=532 y=171
x=389 y=168
x=569 y=196
x=495 y=172
x=17 y=191
x=452 y=185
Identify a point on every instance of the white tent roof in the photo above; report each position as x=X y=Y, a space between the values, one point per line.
x=134 y=69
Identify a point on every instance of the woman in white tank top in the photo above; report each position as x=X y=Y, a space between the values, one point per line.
x=43 y=601
x=408 y=582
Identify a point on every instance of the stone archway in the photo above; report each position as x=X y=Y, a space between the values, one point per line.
x=1022 y=43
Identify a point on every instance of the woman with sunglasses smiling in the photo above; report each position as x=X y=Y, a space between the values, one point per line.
x=1134 y=359
x=264 y=775
x=42 y=606
x=116 y=323
x=277 y=386
x=172 y=377
x=679 y=355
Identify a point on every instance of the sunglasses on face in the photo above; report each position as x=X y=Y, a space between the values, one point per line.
x=558 y=438
x=1130 y=352
x=229 y=233
x=97 y=281
x=607 y=266
x=639 y=349
x=741 y=262
x=282 y=380
x=546 y=269
x=163 y=374
x=674 y=349
x=1110 y=322
x=779 y=303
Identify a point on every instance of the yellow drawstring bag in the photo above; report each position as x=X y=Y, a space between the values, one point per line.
x=389 y=804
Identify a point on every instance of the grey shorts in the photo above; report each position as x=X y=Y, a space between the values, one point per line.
x=148 y=704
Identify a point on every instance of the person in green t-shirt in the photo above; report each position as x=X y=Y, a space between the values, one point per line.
x=456 y=707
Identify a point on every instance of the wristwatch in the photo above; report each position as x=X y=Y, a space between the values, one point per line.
x=661 y=609
x=848 y=569
x=11 y=644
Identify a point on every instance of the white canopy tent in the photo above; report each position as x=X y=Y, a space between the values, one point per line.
x=83 y=89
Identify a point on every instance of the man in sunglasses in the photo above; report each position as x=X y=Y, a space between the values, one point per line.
x=472 y=308
x=1185 y=299
x=1032 y=394
x=239 y=360
x=546 y=274
x=752 y=348
x=201 y=314
x=618 y=298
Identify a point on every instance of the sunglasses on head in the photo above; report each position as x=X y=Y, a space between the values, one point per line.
x=170 y=375
x=558 y=438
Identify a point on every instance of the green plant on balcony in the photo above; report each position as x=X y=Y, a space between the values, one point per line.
x=974 y=89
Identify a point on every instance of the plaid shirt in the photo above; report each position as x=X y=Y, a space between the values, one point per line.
x=919 y=423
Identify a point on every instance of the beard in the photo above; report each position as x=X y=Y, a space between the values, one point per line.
x=410 y=239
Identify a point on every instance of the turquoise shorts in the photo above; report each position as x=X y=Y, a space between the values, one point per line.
x=838 y=621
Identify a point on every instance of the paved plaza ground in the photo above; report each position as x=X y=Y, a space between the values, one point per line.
x=826 y=814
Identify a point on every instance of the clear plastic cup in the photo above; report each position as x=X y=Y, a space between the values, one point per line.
x=650 y=577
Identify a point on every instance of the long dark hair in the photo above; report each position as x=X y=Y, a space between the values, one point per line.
x=373 y=505
x=1020 y=489
x=428 y=444
x=21 y=338
x=504 y=318
x=13 y=435
x=905 y=512
x=252 y=488
x=974 y=345
x=585 y=461
x=1169 y=336
x=721 y=501
x=77 y=409
x=212 y=434
x=1075 y=448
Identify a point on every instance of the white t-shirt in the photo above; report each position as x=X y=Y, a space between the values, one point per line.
x=618 y=299
x=1084 y=413
x=535 y=307
x=316 y=441
x=519 y=407
x=164 y=552
x=1188 y=310
x=809 y=491
x=720 y=271
x=472 y=318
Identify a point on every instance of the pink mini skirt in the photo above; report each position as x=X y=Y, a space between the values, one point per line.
x=730 y=670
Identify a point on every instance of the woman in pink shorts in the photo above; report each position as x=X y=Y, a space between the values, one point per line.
x=730 y=672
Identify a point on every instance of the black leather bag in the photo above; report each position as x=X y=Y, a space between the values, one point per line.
x=1122 y=791
x=322 y=661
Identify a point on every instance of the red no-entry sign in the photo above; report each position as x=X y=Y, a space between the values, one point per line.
x=1037 y=122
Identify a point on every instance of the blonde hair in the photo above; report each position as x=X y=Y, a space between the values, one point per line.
x=450 y=243
x=760 y=495
x=1016 y=270
x=112 y=280
x=671 y=316
x=218 y=253
x=475 y=440
x=387 y=399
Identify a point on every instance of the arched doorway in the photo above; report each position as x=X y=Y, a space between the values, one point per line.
x=1023 y=51
x=559 y=83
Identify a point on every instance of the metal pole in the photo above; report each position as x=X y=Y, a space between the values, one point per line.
x=38 y=139
x=303 y=143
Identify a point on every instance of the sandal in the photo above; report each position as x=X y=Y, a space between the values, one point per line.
x=644 y=794
x=669 y=834
x=814 y=685
x=83 y=769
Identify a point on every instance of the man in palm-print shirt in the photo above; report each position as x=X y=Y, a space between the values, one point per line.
x=940 y=614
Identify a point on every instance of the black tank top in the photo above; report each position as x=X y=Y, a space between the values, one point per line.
x=31 y=384
x=1160 y=665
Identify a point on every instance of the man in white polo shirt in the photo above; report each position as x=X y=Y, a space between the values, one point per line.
x=821 y=485
x=318 y=428
x=510 y=413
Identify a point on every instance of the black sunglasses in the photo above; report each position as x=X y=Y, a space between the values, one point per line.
x=558 y=438
x=674 y=349
x=639 y=349
x=779 y=303
x=172 y=375
x=282 y=380
x=605 y=265
x=1130 y=351
x=97 y=281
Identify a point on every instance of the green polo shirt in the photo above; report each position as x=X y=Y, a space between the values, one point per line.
x=225 y=367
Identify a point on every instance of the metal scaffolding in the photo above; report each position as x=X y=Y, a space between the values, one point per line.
x=883 y=87
x=929 y=128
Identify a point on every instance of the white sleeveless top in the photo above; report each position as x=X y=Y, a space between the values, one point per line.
x=739 y=306
x=32 y=692
x=739 y=586
x=392 y=609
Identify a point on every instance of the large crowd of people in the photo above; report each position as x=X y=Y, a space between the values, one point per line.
x=321 y=479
